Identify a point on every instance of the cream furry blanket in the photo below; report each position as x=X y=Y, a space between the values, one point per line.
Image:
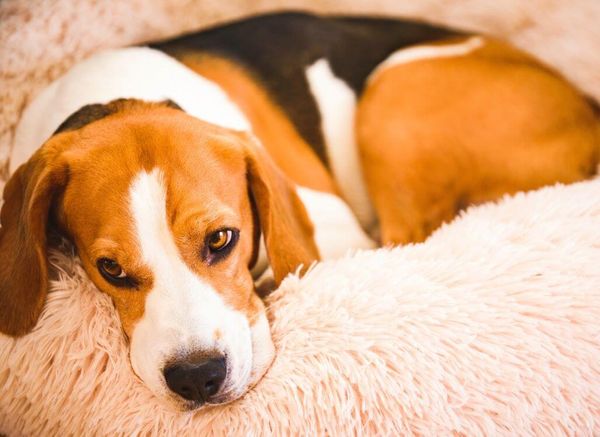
x=491 y=326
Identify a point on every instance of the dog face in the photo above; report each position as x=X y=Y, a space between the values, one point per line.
x=166 y=212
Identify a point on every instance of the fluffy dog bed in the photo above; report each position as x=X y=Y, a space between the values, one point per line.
x=491 y=326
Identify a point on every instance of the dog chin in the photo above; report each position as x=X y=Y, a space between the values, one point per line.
x=189 y=406
x=174 y=402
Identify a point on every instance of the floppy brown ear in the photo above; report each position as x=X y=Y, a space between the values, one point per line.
x=286 y=227
x=24 y=216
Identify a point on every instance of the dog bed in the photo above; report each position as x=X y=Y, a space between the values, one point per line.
x=491 y=326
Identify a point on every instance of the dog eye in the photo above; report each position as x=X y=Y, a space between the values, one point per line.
x=219 y=240
x=220 y=243
x=113 y=272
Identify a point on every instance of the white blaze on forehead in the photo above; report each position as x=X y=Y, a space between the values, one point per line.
x=337 y=106
x=149 y=208
x=420 y=53
x=182 y=312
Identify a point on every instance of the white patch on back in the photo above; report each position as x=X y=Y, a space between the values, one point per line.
x=135 y=72
x=182 y=311
x=336 y=227
x=423 y=52
x=337 y=105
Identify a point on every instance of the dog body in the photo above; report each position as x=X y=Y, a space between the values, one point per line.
x=355 y=124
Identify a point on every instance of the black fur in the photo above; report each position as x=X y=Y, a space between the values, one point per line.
x=96 y=111
x=83 y=116
x=277 y=48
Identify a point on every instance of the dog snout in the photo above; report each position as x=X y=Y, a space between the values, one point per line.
x=196 y=379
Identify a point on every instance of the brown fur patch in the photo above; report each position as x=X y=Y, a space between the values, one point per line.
x=275 y=131
x=438 y=134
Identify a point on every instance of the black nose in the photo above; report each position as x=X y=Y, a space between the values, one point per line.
x=196 y=380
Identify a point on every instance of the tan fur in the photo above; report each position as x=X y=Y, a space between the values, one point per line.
x=287 y=228
x=209 y=172
x=28 y=196
x=275 y=131
x=436 y=135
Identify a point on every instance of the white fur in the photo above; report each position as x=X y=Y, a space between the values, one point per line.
x=336 y=227
x=135 y=72
x=263 y=349
x=182 y=311
x=337 y=106
x=423 y=52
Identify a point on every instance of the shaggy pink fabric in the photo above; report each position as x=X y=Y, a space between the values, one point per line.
x=490 y=327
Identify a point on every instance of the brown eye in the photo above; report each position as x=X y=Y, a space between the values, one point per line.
x=219 y=244
x=219 y=240
x=113 y=272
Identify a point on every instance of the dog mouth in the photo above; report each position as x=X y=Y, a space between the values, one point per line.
x=195 y=376
x=226 y=397
x=200 y=393
x=230 y=393
x=189 y=406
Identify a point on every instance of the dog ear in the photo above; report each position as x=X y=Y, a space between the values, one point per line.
x=24 y=216
x=287 y=229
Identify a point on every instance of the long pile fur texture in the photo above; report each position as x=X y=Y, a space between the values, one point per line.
x=490 y=327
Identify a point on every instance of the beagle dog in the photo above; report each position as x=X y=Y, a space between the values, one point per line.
x=183 y=171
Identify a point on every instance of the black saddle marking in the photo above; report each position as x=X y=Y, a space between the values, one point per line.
x=277 y=48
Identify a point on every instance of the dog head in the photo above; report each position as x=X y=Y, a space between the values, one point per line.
x=166 y=212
